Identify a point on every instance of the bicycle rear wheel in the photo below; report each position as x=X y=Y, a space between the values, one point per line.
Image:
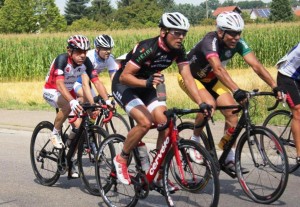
x=112 y=191
x=263 y=183
x=280 y=123
x=202 y=182
x=117 y=125
x=44 y=157
x=87 y=156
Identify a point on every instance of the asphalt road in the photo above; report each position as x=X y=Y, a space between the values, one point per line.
x=19 y=188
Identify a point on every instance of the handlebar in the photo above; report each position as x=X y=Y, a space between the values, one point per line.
x=173 y=112
x=99 y=99
x=92 y=107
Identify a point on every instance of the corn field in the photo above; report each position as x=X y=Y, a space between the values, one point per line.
x=27 y=57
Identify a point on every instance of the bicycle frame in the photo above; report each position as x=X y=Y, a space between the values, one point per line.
x=169 y=142
x=243 y=122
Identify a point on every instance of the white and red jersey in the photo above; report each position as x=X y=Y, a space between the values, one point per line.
x=62 y=68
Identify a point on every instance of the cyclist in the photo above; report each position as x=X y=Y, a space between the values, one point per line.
x=208 y=59
x=101 y=59
x=58 y=89
x=133 y=83
x=288 y=78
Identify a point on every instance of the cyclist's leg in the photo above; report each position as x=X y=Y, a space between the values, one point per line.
x=131 y=100
x=205 y=96
x=56 y=100
x=293 y=88
x=225 y=98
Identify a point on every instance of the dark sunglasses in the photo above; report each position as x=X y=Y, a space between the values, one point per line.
x=233 y=33
x=177 y=34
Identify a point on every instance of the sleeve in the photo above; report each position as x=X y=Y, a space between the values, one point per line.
x=59 y=66
x=182 y=57
x=140 y=54
x=112 y=66
x=209 y=47
x=243 y=48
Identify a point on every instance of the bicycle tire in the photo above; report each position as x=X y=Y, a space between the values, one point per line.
x=43 y=155
x=280 y=123
x=202 y=186
x=186 y=130
x=263 y=184
x=117 y=125
x=111 y=190
x=86 y=158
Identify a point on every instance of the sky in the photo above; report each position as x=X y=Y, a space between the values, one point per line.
x=61 y=3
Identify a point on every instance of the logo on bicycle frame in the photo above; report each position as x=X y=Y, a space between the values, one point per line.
x=159 y=156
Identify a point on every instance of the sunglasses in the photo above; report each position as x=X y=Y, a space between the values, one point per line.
x=177 y=34
x=233 y=33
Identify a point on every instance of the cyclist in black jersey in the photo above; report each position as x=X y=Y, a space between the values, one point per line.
x=208 y=59
x=133 y=89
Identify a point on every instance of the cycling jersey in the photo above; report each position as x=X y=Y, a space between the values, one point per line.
x=152 y=55
x=210 y=46
x=289 y=65
x=62 y=68
x=100 y=65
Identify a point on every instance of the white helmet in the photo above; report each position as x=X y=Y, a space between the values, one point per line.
x=79 y=42
x=104 y=41
x=174 y=20
x=230 y=21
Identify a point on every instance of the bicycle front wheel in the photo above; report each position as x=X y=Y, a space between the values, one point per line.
x=87 y=157
x=112 y=191
x=200 y=184
x=117 y=125
x=280 y=123
x=258 y=154
x=44 y=157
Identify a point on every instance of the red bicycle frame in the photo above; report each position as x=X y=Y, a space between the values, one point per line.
x=169 y=141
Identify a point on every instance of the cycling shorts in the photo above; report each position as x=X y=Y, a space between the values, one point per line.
x=130 y=97
x=53 y=97
x=291 y=86
x=214 y=87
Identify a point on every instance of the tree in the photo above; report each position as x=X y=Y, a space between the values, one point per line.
x=166 y=3
x=140 y=13
x=99 y=10
x=281 y=11
x=18 y=16
x=1 y=3
x=124 y=3
x=194 y=13
x=75 y=9
x=49 y=18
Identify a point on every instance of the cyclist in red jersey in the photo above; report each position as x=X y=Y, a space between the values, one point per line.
x=208 y=60
x=133 y=89
x=58 y=89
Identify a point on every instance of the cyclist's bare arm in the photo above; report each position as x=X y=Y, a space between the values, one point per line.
x=189 y=82
x=221 y=73
x=63 y=90
x=101 y=89
x=259 y=69
x=87 y=94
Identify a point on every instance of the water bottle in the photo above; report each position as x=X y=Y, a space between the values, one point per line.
x=161 y=90
x=144 y=158
x=225 y=139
